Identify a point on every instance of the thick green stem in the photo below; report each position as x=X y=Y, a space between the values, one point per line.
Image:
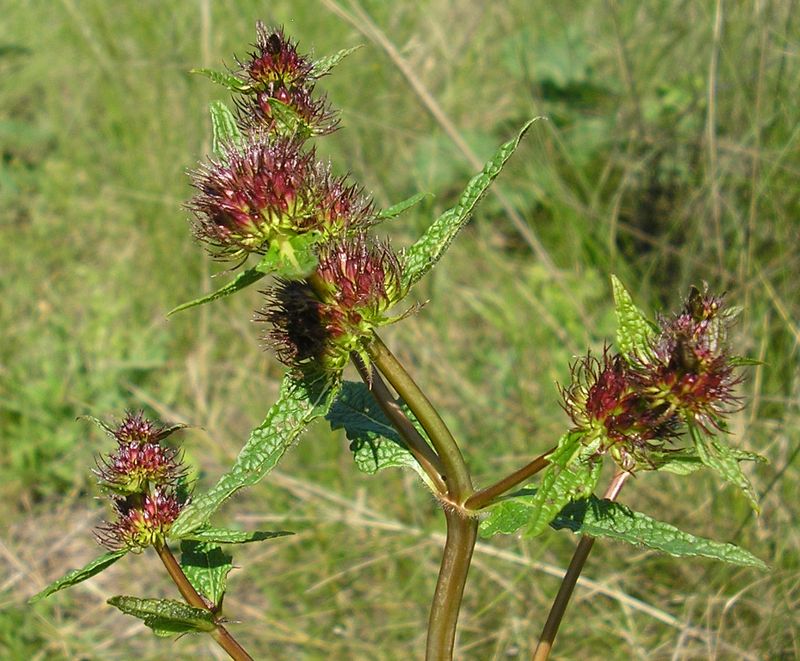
x=545 y=645
x=459 y=484
x=193 y=598
x=485 y=497
x=461 y=535
x=416 y=444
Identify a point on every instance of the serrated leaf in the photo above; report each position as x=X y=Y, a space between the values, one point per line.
x=300 y=401
x=244 y=279
x=374 y=441
x=420 y=257
x=98 y=422
x=79 y=575
x=686 y=461
x=723 y=460
x=225 y=536
x=744 y=361
x=292 y=257
x=289 y=122
x=604 y=518
x=207 y=567
x=225 y=79
x=324 y=65
x=224 y=130
x=400 y=207
x=633 y=329
x=572 y=474
x=165 y=616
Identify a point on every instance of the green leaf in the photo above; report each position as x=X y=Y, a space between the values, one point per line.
x=744 y=361
x=224 y=129
x=78 y=575
x=633 y=329
x=400 y=207
x=242 y=280
x=686 y=461
x=225 y=536
x=604 y=518
x=165 y=616
x=206 y=566
x=290 y=122
x=100 y=423
x=300 y=401
x=324 y=65
x=420 y=257
x=722 y=459
x=225 y=79
x=290 y=257
x=572 y=474
x=374 y=441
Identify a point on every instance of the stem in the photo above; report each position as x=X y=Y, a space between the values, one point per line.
x=193 y=598
x=461 y=535
x=545 y=645
x=484 y=497
x=416 y=444
x=459 y=483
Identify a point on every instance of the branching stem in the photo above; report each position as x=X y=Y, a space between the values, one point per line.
x=223 y=637
x=545 y=645
x=485 y=497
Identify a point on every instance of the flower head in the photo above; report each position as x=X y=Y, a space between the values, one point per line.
x=133 y=466
x=604 y=401
x=276 y=61
x=141 y=520
x=689 y=367
x=267 y=191
x=355 y=284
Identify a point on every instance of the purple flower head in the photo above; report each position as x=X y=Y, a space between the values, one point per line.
x=141 y=521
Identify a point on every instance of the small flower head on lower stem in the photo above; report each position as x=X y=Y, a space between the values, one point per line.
x=320 y=322
x=606 y=405
x=141 y=521
x=689 y=368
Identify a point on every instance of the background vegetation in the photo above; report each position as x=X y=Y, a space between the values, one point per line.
x=670 y=157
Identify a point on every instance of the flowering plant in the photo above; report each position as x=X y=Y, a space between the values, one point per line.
x=657 y=401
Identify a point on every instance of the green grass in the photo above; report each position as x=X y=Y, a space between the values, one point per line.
x=99 y=121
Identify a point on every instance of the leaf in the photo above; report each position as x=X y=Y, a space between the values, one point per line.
x=686 y=461
x=165 y=616
x=207 y=567
x=324 y=65
x=300 y=401
x=420 y=257
x=290 y=122
x=225 y=79
x=722 y=459
x=100 y=423
x=604 y=518
x=633 y=329
x=79 y=575
x=291 y=257
x=225 y=536
x=374 y=441
x=224 y=129
x=573 y=473
x=400 y=207
x=244 y=279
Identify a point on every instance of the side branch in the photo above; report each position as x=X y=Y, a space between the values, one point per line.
x=484 y=497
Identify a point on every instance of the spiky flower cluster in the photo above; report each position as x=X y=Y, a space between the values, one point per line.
x=264 y=192
x=142 y=477
x=634 y=404
x=279 y=88
x=320 y=324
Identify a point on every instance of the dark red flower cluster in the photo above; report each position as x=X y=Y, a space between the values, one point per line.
x=631 y=405
x=356 y=282
x=143 y=477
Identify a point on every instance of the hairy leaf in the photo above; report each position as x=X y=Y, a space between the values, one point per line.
x=324 y=65
x=244 y=279
x=723 y=460
x=633 y=329
x=686 y=461
x=227 y=80
x=300 y=401
x=78 y=575
x=604 y=518
x=224 y=130
x=165 y=616
x=420 y=257
x=572 y=474
x=225 y=536
x=374 y=441
x=206 y=566
x=400 y=207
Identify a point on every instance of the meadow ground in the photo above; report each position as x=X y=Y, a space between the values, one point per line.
x=670 y=157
